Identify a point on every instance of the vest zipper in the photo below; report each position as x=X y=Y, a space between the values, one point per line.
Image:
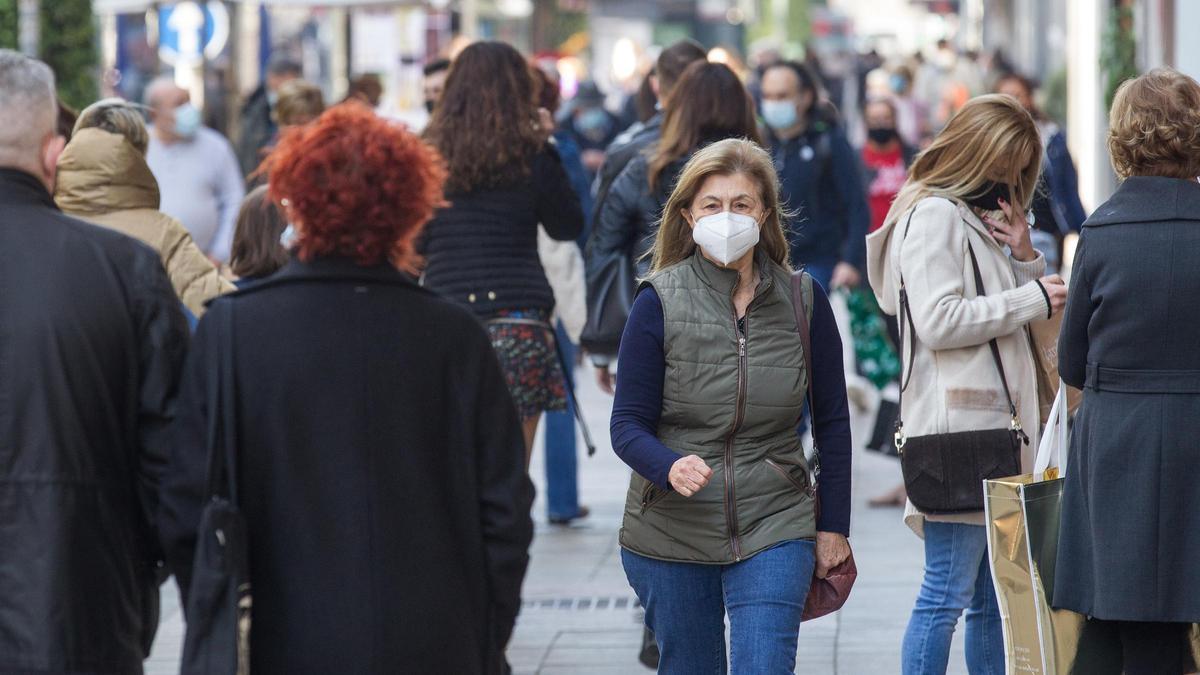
x=739 y=413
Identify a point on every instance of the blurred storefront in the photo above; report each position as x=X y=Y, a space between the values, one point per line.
x=219 y=49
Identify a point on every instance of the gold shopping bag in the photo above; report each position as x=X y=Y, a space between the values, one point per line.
x=1022 y=518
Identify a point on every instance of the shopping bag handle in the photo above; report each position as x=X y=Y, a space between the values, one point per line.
x=1052 y=447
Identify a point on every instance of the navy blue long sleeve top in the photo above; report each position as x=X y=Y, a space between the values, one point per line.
x=638 y=404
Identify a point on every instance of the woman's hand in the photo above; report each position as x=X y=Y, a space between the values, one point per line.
x=1013 y=231
x=1056 y=290
x=689 y=474
x=832 y=550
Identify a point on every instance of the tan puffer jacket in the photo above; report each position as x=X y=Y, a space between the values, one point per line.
x=103 y=179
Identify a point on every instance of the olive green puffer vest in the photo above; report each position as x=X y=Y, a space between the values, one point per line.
x=736 y=403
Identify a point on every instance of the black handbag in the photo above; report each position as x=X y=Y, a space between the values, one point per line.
x=944 y=473
x=217 y=641
x=611 y=285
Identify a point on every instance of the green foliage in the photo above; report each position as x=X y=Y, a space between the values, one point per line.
x=67 y=41
x=9 y=24
x=1054 y=96
x=1118 y=52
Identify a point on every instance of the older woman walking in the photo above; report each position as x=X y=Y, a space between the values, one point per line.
x=720 y=513
x=379 y=456
x=1128 y=554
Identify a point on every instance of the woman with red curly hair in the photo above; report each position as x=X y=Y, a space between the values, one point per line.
x=505 y=177
x=379 y=459
x=1128 y=551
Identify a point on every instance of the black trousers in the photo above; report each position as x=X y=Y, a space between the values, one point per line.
x=1147 y=648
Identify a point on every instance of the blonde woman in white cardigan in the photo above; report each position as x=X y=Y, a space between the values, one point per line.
x=966 y=198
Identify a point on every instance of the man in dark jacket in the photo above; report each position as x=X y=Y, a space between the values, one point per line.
x=257 y=123
x=91 y=343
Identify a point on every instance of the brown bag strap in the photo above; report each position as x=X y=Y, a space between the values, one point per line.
x=803 y=311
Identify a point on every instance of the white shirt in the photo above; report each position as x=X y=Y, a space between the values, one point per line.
x=202 y=186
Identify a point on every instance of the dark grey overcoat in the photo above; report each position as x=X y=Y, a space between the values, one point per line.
x=1129 y=548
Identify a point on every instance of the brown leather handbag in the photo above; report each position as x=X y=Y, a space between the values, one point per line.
x=825 y=596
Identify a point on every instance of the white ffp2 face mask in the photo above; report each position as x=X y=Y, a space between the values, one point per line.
x=726 y=236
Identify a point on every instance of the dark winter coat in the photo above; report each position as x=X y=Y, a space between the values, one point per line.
x=91 y=343
x=257 y=130
x=628 y=219
x=481 y=250
x=821 y=182
x=381 y=471
x=1131 y=505
x=623 y=150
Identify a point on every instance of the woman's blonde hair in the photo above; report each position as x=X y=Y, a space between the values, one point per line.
x=674 y=243
x=1154 y=126
x=116 y=116
x=992 y=138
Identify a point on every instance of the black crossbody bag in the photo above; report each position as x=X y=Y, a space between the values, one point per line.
x=944 y=473
x=217 y=641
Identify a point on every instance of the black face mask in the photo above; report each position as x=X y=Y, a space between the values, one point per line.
x=429 y=106
x=881 y=135
x=989 y=198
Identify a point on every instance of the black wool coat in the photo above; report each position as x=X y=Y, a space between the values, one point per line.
x=1128 y=548
x=92 y=339
x=381 y=471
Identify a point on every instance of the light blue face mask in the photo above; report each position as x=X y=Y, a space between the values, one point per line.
x=779 y=115
x=288 y=236
x=187 y=121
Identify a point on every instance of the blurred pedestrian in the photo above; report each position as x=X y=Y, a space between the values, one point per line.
x=591 y=125
x=1056 y=206
x=720 y=515
x=886 y=158
x=299 y=103
x=819 y=174
x=103 y=178
x=93 y=340
x=668 y=68
x=505 y=178
x=1125 y=555
x=435 y=82
x=258 y=248
x=366 y=88
x=939 y=264
x=198 y=175
x=379 y=456
x=257 y=118
x=912 y=114
x=563 y=263
x=708 y=104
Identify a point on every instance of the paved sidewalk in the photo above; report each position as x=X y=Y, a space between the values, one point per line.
x=580 y=616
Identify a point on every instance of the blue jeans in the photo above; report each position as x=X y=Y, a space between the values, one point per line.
x=957 y=578
x=562 y=466
x=686 y=605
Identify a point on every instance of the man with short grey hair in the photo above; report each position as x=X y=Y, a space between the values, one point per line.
x=92 y=340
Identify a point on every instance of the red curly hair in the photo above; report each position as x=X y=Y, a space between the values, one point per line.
x=356 y=185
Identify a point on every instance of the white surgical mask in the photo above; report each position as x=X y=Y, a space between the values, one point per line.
x=726 y=236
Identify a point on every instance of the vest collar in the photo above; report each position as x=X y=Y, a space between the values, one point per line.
x=723 y=280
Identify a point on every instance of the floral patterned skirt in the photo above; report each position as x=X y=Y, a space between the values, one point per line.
x=530 y=360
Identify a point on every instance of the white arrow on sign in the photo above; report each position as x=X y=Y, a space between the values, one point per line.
x=187 y=20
